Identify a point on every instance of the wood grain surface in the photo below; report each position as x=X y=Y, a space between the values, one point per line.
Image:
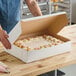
x=19 y=68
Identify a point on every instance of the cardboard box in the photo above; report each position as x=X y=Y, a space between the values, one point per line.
x=50 y=25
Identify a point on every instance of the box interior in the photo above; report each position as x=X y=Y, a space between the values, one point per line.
x=49 y=25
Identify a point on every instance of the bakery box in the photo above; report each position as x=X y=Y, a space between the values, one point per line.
x=48 y=25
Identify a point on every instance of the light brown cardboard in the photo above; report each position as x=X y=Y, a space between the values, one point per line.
x=52 y=24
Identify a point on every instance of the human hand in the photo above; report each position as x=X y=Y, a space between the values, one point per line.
x=4 y=38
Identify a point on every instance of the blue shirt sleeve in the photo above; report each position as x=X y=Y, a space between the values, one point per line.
x=9 y=14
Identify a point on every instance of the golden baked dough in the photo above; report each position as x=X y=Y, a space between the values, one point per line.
x=38 y=42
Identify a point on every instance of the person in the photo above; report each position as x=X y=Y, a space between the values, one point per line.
x=10 y=15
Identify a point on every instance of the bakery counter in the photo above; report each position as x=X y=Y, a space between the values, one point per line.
x=19 y=68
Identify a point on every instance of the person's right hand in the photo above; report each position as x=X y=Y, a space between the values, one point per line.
x=4 y=38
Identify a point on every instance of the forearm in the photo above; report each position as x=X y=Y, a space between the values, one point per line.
x=34 y=8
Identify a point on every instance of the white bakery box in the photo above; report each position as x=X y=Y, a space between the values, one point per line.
x=49 y=24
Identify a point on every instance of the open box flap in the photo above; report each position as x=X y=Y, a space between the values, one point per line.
x=15 y=33
x=52 y=23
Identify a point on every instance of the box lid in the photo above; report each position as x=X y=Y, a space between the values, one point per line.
x=53 y=23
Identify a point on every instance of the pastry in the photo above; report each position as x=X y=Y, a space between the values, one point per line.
x=40 y=42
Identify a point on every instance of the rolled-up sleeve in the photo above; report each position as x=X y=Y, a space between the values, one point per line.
x=9 y=14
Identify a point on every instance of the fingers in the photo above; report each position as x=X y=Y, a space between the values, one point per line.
x=6 y=43
x=4 y=38
x=5 y=34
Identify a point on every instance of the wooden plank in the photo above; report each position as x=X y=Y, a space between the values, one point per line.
x=19 y=68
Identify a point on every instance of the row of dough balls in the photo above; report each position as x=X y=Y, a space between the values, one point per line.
x=53 y=41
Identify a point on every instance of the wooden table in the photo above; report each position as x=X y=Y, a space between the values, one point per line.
x=19 y=68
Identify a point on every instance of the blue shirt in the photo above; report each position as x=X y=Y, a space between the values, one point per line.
x=9 y=14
